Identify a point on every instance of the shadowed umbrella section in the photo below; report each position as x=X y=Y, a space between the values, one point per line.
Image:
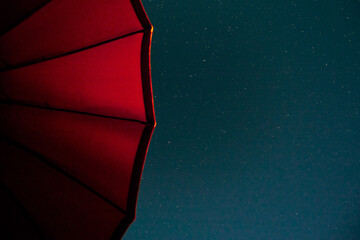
x=76 y=117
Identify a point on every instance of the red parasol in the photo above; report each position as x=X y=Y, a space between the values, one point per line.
x=76 y=116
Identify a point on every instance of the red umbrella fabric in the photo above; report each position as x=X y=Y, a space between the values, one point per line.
x=76 y=114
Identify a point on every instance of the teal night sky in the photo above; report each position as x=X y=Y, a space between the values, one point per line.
x=258 y=121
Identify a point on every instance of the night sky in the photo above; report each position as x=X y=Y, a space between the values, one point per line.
x=258 y=121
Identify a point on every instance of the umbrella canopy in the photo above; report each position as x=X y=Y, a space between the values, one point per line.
x=76 y=116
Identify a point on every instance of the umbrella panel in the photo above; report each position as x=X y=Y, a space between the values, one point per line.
x=63 y=26
x=76 y=116
x=103 y=80
x=59 y=209
x=13 y=12
x=13 y=218
x=72 y=172
x=97 y=151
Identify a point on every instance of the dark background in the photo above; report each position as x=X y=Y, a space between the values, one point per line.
x=258 y=132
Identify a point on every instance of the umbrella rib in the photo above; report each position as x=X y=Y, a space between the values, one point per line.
x=44 y=59
x=25 y=17
x=72 y=111
x=61 y=171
